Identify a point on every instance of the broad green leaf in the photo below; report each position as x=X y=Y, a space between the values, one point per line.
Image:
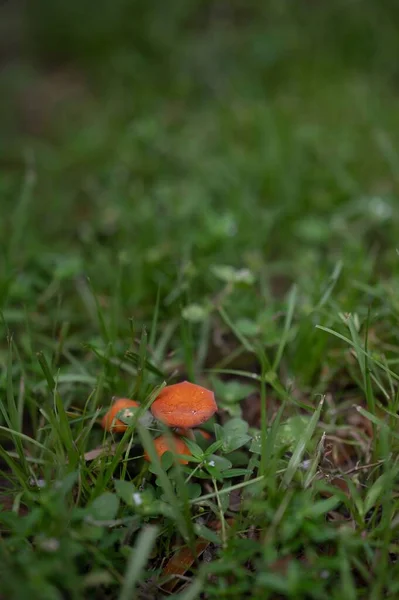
x=105 y=507
x=195 y=313
x=235 y=427
x=125 y=491
x=232 y=391
x=291 y=431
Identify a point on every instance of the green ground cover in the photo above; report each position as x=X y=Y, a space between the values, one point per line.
x=204 y=191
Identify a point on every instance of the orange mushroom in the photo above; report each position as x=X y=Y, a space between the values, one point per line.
x=184 y=405
x=163 y=443
x=110 y=422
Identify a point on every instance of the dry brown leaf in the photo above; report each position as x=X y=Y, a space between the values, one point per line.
x=361 y=423
x=281 y=565
x=342 y=454
x=338 y=483
x=96 y=452
x=216 y=525
x=181 y=562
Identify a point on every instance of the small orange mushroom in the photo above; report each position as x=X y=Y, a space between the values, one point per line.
x=184 y=405
x=163 y=443
x=110 y=422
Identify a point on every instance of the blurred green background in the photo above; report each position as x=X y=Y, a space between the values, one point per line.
x=149 y=144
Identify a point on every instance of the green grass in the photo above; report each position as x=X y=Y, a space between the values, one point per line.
x=216 y=200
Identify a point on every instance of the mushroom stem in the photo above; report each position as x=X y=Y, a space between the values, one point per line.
x=187 y=433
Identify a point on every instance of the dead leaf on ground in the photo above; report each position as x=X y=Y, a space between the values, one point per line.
x=99 y=451
x=235 y=500
x=280 y=566
x=349 y=443
x=217 y=525
x=181 y=562
x=183 y=559
x=336 y=482
x=360 y=422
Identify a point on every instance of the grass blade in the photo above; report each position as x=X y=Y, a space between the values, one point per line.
x=331 y=284
x=301 y=446
x=138 y=558
x=26 y=438
x=287 y=326
x=192 y=592
x=141 y=362
x=360 y=350
x=187 y=342
x=148 y=445
x=247 y=345
x=20 y=217
x=155 y=316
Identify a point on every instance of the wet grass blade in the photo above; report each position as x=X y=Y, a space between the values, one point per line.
x=10 y=413
x=247 y=345
x=139 y=556
x=300 y=448
x=154 y=323
x=292 y=298
x=192 y=592
x=360 y=350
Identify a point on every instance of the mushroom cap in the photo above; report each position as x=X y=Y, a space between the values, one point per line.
x=184 y=405
x=110 y=422
x=163 y=443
